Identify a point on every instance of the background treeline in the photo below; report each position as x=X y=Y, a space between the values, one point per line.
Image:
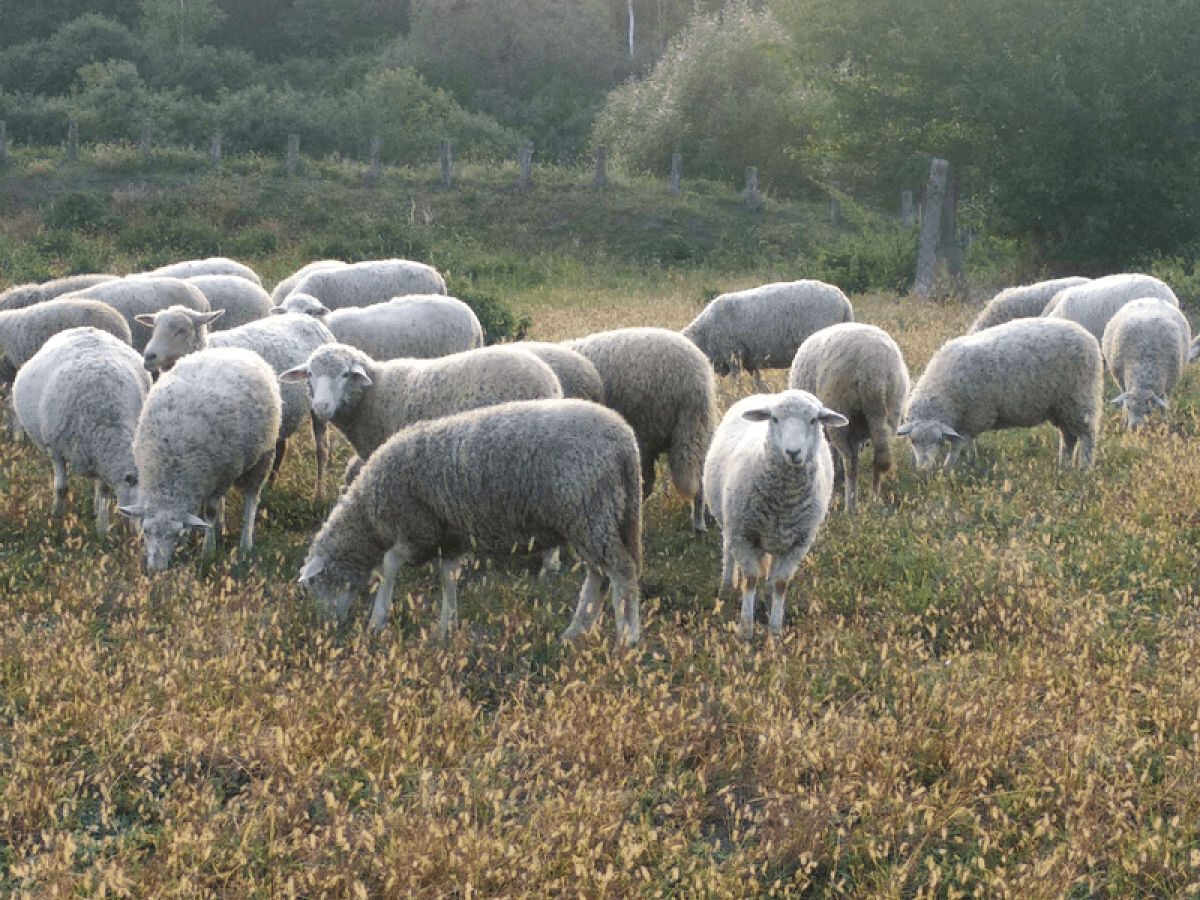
x=1073 y=127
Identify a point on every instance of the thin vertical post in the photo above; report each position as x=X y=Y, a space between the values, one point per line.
x=931 y=228
x=753 y=199
x=525 y=179
x=601 y=167
x=447 y=165
x=72 y=140
x=216 y=151
x=676 y=172
x=293 y=153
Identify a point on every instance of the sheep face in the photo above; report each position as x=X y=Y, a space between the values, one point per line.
x=306 y=304
x=161 y=532
x=927 y=438
x=1139 y=405
x=331 y=586
x=335 y=382
x=176 y=332
x=795 y=425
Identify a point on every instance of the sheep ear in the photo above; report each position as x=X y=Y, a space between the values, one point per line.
x=278 y=311
x=360 y=374
x=949 y=434
x=1119 y=400
x=299 y=373
x=194 y=521
x=311 y=569
x=906 y=428
x=757 y=415
x=1160 y=401
x=209 y=317
x=831 y=418
x=1194 y=351
x=146 y=319
x=132 y=512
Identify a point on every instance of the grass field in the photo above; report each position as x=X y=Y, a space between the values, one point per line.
x=987 y=685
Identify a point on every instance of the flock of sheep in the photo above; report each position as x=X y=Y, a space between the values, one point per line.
x=462 y=448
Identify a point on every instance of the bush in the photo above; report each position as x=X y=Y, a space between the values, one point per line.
x=498 y=321
x=875 y=259
x=85 y=211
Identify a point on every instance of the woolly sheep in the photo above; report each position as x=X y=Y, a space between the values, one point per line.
x=142 y=294
x=761 y=328
x=575 y=372
x=483 y=481
x=242 y=300
x=1146 y=345
x=663 y=385
x=208 y=424
x=369 y=400
x=1094 y=303
x=1015 y=375
x=213 y=265
x=280 y=292
x=283 y=341
x=23 y=331
x=859 y=371
x=78 y=399
x=1021 y=302
x=374 y=281
x=416 y=326
x=23 y=295
x=768 y=480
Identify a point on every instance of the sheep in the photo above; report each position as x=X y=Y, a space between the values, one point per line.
x=1146 y=344
x=213 y=265
x=761 y=328
x=415 y=326
x=663 y=385
x=369 y=400
x=859 y=371
x=283 y=341
x=1094 y=303
x=78 y=399
x=208 y=424
x=575 y=372
x=768 y=480
x=242 y=300
x=23 y=331
x=137 y=295
x=374 y=281
x=1015 y=375
x=284 y=288
x=1021 y=302
x=23 y=295
x=485 y=480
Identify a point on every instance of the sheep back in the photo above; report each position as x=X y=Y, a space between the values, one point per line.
x=1021 y=302
x=417 y=326
x=22 y=295
x=1092 y=304
x=213 y=265
x=280 y=292
x=373 y=281
x=575 y=372
x=145 y=294
x=240 y=299
x=24 y=331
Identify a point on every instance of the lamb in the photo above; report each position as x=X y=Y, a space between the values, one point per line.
x=663 y=386
x=213 y=265
x=283 y=341
x=23 y=295
x=859 y=371
x=137 y=295
x=284 y=288
x=1094 y=303
x=1022 y=302
x=208 y=424
x=768 y=480
x=78 y=398
x=416 y=326
x=369 y=401
x=374 y=281
x=1146 y=344
x=242 y=300
x=485 y=480
x=1015 y=375
x=761 y=328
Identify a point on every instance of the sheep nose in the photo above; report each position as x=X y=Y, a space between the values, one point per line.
x=150 y=360
x=794 y=455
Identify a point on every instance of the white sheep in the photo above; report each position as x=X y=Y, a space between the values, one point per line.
x=283 y=341
x=1094 y=303
x=768 y=480
x=23 y=331
x=373 y=281
x=212 y=265
x=484 y=481
x=416 y=326
x=575 y=372
x=280 y=292
x=762 y=327
x=1015 y=375
x=137 y=295
x=1022 y=302
x=1146 y=344
x=242 y=300
x=22 y=295
x=859 y=371
x=369 y=401
x=78 y=398
x=207 y=425
x=663 y=385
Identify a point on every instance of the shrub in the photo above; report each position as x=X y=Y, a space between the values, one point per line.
x=85 y=211
x=498 y=320
x=875 y=259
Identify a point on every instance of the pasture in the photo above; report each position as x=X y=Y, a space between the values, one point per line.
x=988 y=685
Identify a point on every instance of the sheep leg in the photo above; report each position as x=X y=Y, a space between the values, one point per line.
x=101 y=504
x=448 y=620
x=60 y=485
x=699 y=524
x=392 y=561
x=251 y=485
x=749 y=590
x=321 y=441
x=214 y=514
x=782 y=570
x=588 y=607
x=249 y=510
x=551 y=563
x=627 y=610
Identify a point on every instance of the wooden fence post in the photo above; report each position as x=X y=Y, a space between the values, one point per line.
x=908 y=210
x=293 y=153
x=835 y=210
x=525 y=179
x=216 y=151
x=144 y=143
x=601 y=167
x=931 y=228
x=373 y=169
x=72 y=141
x=676 y=173
x=948 y=237
x=447 y=164
x=3 y=143
x=753 y=200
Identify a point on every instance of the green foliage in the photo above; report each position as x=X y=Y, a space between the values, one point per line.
x=877 y=258
x=112 y=102
x=85 y=211
x=50 y=65
x=499 y=322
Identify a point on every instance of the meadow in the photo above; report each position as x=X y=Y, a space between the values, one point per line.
x=987 y=685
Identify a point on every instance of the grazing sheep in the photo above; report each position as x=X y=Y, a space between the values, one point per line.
x=213 y=265
x=283 y=341
x=207 y=425
x=143 y=294
x=484 y=481
x=1094 y=303
x=1146 y=344
x=22 y=295
x=285 y=287
x=1015 y=375
x=374 y=281
x=417 y=326
x=242 y=300
x=78 y=398
x=663 y=386
x=369 y=401
x=761 y=328
x=859 y=371
x=575 y=372
x=1022 y=302
x=768 y=480
x=23 y=331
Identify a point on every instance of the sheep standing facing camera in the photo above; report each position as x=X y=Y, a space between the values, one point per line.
x=768 y=480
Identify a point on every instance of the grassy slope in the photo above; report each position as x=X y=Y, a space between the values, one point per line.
x=987 y=683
